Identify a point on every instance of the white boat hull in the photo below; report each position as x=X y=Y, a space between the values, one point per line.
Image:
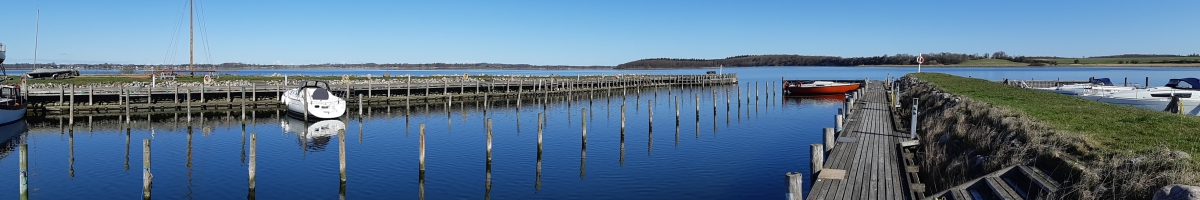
x=1191 y=107
x=300 y=104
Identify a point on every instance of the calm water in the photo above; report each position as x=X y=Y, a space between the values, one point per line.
x=739 y=154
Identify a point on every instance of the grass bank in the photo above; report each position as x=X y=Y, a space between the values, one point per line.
x=971 y=127
x=1117 y=128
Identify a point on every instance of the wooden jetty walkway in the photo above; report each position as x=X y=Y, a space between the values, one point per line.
x=65 y=99
x=864 y=161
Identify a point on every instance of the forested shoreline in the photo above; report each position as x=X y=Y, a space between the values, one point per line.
x=897 y=59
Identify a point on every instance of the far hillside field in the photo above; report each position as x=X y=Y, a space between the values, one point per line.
x=1146 y=60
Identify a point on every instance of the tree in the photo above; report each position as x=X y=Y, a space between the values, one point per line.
x=1076 y=61
x=1134 y=61
x=1000 y=55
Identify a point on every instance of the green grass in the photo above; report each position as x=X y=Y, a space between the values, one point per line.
x=1067 y=61
x=1116 y=128
x=990 y=62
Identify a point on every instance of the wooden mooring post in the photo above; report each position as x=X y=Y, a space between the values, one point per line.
x=147 y=177
x=252 y=167
x=838 y=121
x=342 y=155
x=421 y=149
x=829 y=137
x=795 y=186
x=24 y=170
x=817 y=152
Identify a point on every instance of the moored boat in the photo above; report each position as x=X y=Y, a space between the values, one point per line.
x=12 y=101
x=1098 y=86
x=1187 y=90
x=313 y=99
x=805 y=87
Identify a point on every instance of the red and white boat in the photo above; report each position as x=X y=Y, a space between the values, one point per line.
x=802 y=87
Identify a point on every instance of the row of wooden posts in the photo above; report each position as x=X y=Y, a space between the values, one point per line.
x=547 y=87
x=818 y=157
x=148 y=176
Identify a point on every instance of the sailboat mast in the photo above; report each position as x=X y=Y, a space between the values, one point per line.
x=191 y=37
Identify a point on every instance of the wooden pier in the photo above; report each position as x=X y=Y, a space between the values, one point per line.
x=117 y=99
x=863 y=162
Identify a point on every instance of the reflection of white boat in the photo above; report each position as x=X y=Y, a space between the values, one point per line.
x=10 y=135
x=313 y=98
x=1157 y=98
x=1099 y=86
x=314 y=135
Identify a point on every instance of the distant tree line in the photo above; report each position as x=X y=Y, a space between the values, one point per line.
x=799 y=60
x=235 y=66
x=1145 y=56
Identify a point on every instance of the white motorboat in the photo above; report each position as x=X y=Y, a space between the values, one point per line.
x=313 y=135
x=1158 y=98
x=12 y=101
x=313 y=99
x=1099 y=86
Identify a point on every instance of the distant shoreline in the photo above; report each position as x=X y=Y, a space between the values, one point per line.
x=1049 y=66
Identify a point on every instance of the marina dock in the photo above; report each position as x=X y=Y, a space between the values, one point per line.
x=864 y=160
x=65 y=99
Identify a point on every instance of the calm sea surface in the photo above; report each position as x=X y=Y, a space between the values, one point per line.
x=737 y=152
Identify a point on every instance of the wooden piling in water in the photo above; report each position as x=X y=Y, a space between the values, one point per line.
x=622 y=118
x=488 y=123
x=541 y=116
x=795 y=186
x=829 y=136
x=421 y=148
x=676 y=111
x=342 y=154
x=650 y=107
x=24 y=170
x=583 y=117
x=838 y=122
x=147 y=177
x=252 y=167
x=817 y=152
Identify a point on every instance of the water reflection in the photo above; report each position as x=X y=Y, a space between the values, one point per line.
x=313 y=136
x=818 y=99
x=11 y=136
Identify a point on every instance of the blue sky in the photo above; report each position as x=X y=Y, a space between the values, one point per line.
x=576 y=32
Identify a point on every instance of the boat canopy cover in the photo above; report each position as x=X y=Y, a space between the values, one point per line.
x=315 y=84
x=1102 y=81
x=1184 y=83
x=320 y=94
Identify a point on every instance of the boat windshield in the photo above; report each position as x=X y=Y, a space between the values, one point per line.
x=1102 y=81
x=1184 y=83
x=315 y=84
